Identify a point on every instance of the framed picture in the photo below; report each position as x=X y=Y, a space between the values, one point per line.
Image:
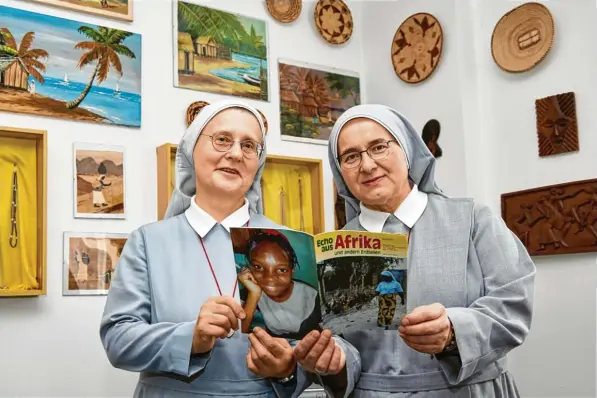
x=73 y=70
x=99 y=181
x=312 y=98
x=117 y=9
x=228 y=57
x=90 y=262
x=166 y=164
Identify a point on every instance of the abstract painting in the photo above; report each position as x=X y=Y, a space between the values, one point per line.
x=312 y=98
x=557 y=128
x=117 y=9
x=90 y=261
x=67 y=69
x=220 y=52
x=99 y=181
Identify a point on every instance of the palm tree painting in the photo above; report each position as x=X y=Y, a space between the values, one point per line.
x=220 y=52
x=61 y=68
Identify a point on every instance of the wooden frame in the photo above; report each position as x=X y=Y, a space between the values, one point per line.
x=40 y=138
x=90 y=10
x=338 y=224
x=165 y=153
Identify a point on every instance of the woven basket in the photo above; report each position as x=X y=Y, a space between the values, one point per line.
x=284 y=11
x=333 y=20
x=522 y=38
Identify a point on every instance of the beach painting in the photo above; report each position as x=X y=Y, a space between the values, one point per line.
x=90 y=261
x=99 y=181
x=220 y=52
x=117 y=9
x=312 y=98
x=67 y=69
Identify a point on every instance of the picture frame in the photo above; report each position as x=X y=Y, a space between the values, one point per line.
x=166 y=156
x=89 y=7
x=89 y=262
x=99 y=181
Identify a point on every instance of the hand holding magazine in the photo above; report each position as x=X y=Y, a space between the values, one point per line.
x=292 y=282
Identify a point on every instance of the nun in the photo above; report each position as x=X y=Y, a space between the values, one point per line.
x=469 y=299
x=173 y=310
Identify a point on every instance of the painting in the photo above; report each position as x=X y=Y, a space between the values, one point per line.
x=90 y=261
x=117 y=9
x=555 y=219
x=557 y=128
x=312 y=98
x=430 y=136
x=70 y=70
x=220 y=52
x=99 y=181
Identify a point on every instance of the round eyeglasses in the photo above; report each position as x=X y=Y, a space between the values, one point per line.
x=223 y=142
x=377 y=151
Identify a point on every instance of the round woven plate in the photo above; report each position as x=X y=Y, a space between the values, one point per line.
x=333 y=20
x=417 y=47
x=522 y=38
x=284 y=11
x=196 y=107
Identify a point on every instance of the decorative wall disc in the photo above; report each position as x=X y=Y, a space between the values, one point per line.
x=284 y=11
x=333 y=20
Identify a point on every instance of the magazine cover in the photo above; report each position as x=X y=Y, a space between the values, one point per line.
x=291 y=282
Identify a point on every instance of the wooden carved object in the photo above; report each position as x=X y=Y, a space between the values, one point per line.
x=555 y=219
x=557 y=129
x=430 y=135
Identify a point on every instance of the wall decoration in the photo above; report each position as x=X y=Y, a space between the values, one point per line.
x=417 y=47
x=23 y=194
x=430 y=135
x=555 y=219
x=557 y=128
x=333 y=20
x=67 y=69
x=227 y=57
x=523 y=37
x=166 y=172
x=312 y=98
x=339 y=210
x=292 y=191
x=90 y=262
x=99 y=181
x=284 y=11
x=117 y=9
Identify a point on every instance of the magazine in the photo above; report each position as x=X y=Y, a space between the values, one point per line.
x=291 y=282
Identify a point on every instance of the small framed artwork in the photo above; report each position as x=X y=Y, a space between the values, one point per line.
x=90 y=262
x=99 y=181
x=116 y=9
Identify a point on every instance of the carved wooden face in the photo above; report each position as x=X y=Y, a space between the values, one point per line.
x=556 y=124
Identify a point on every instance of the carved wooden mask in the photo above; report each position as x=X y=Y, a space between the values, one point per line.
x=557 y=129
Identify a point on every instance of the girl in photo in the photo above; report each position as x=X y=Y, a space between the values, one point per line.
x=387 y=290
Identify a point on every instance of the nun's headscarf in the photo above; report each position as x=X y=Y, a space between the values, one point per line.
x=419 y=160
x=185 y=187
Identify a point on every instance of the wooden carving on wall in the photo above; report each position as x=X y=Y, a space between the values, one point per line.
x=555 y=219
x=557 y=129
x=431 y=136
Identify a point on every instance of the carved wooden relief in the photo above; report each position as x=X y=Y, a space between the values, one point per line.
x=557 y=129
x=431 y=136
x=555 y=219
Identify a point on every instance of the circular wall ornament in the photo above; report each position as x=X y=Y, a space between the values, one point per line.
x=417 y=47
x=333 y=20
x=284 y=11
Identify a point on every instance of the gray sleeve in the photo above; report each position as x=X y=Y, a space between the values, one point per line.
x=343 y=384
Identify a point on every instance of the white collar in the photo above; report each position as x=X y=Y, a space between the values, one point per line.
x=202 y=222
x=409 y=212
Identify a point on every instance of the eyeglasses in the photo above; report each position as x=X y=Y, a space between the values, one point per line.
x=222 y=143
x=377 y=151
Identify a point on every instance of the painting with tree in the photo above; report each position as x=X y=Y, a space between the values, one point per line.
x=99 y=181
x=66 y=69
x=220 y=52
x=312 y=98
x=117 y=9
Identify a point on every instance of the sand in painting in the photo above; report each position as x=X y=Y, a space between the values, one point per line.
x=113 y=6
x=92 y=262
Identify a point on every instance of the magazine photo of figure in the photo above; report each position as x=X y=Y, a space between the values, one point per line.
x=277 y=279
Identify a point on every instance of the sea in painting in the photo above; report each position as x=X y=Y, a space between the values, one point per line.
x=221 y=52
x=312 y=99
x=63 y=68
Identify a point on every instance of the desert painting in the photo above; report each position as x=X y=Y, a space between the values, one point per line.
x=90 y=262
x=67 y=69
x=117 y=9
x=220 y=52
x=312 y=99
x=99 y=181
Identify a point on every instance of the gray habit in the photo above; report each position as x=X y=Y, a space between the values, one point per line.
x=460 y=255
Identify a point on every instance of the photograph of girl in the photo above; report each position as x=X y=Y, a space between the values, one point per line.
x=277 y=278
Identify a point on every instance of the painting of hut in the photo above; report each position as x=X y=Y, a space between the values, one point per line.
x=13 y=73
x=312 y=98
x=220 y=52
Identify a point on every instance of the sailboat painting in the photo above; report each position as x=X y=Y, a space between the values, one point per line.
x=117 y=9
x=66 y=69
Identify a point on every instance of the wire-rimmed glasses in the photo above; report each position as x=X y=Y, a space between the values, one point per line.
x=223 y=142
x=377 y=151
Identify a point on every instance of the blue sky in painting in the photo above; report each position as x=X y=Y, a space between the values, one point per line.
x=58 y=36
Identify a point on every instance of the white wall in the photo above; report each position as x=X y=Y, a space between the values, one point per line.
x=489 y=137
x=49 y=346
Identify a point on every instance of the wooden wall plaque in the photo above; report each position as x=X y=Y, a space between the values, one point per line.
x=554 y=219
x=557 y=128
